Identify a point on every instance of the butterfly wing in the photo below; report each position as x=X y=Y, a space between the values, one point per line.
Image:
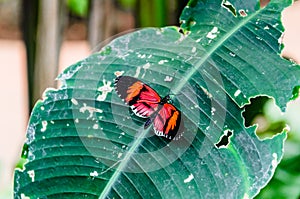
x=141 y=98
x=167 y=121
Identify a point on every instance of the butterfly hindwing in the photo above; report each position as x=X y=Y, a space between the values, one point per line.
x=141 y=98
x=167 y=121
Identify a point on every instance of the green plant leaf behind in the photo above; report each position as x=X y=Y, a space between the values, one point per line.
x=83 y=141
x=78 y=7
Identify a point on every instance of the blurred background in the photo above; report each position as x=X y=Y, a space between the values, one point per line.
x=39 y=38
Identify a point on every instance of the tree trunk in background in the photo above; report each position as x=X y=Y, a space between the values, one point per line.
x=51 y=17
x=29 y=27
x=102 y=20
x=105 y=21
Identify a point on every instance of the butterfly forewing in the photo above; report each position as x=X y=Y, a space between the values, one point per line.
x=141 y=98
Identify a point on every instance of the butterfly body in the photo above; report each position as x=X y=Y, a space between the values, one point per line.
x=146 y=103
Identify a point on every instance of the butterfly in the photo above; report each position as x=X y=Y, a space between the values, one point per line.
x=145 y=102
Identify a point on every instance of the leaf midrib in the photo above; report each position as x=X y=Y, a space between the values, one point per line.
x=219 y=43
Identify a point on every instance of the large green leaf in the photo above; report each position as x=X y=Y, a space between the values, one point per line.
x=82 y=140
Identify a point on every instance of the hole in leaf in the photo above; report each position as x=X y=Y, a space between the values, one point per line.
x=224 y=139
x=25 y=151
x=192 y=3
x=263 y=112
x=181 y=31
x=296 y=91
x=226 y=4
x=243 y=13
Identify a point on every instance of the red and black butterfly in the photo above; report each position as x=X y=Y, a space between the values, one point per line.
x=146 y=103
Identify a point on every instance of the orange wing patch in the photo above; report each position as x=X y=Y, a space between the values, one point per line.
x=134 y=90
x=172 y=122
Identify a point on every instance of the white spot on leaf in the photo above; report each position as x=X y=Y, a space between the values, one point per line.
x=23 y=196
x=232 y=54
x=237 y=93
x=146 y=66
x=120 y=155
x=31 y=175
x=94 y=174
x=119 y=73
x=209 y=95
x=274 y=161
x=182 y=37
x=246 y=196
x=194 y=49
x=74 y=101
x=90 y=109
x=137 y=72
x=95 y=126
x=162 y=62
x=280 y=40
x=168 y=79
x=44 y=124
x=189 y=179
x=213 y=33
x=105 y=89
x=213 y=110
x=198 y=40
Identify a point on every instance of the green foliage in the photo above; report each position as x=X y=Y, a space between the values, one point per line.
x=78 y=7
x=286 y=180
x=82 y=140
x=152 y=13
x=129 y=4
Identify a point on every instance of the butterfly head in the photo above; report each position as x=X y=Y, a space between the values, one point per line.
x=166 y=99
